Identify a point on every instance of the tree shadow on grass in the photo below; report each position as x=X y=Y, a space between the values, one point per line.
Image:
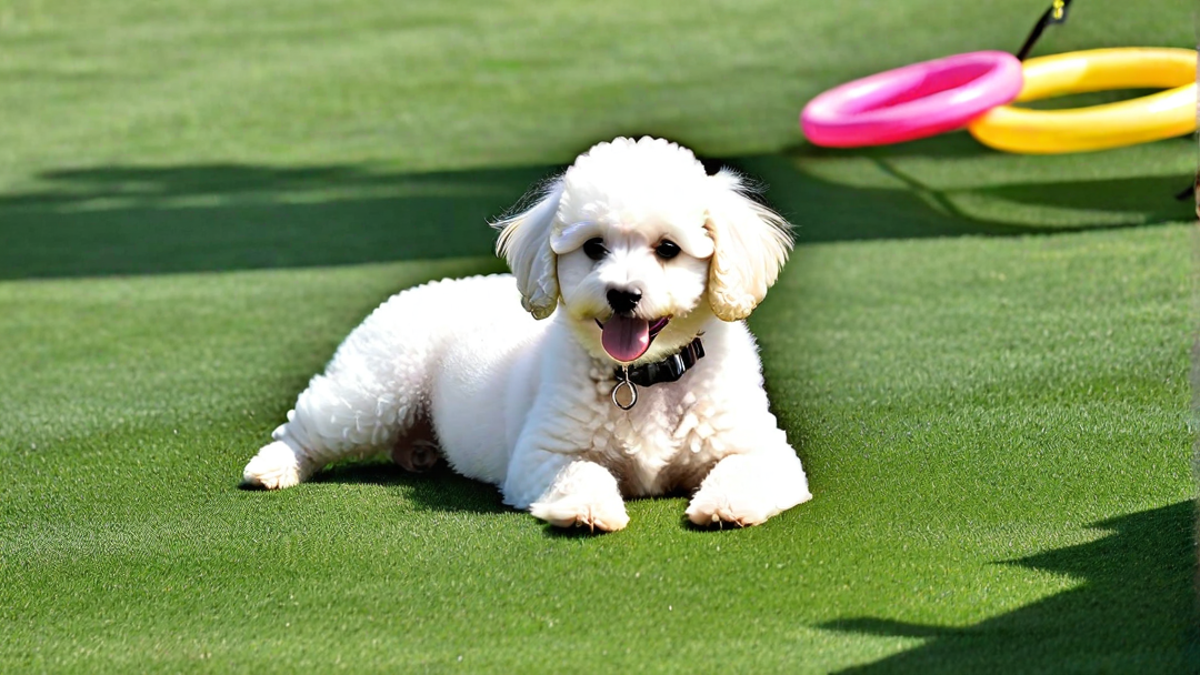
x=899 y=205
x=1136 y=611
x=146 y=220
x=212 y=217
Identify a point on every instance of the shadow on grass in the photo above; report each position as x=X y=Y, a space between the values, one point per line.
x=153 y=220
x=1135 y=612
x=826 y=209
x=553 y=532
x=439 y=489
x=142 y=220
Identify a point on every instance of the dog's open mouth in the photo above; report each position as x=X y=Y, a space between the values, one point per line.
x=626 y=338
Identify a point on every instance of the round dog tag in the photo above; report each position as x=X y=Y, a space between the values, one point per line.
x=625 y=395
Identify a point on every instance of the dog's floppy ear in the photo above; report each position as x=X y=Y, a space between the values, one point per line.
x=751 y=243
x=525 y=243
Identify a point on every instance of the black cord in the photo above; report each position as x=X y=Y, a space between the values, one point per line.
x=1056 y=14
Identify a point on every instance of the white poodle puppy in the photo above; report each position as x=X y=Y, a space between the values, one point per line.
x=629 y=373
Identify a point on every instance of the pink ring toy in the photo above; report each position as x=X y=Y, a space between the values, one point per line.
x=912 y=102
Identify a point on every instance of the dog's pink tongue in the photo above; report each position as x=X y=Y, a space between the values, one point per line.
x=625 y=338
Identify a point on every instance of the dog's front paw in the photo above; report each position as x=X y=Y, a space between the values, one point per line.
x=275 y=467
x=712 y=507
x=583 y=495
x=575 y=511
x=744 y=490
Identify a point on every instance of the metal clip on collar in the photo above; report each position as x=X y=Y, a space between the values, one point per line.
x=624 y=382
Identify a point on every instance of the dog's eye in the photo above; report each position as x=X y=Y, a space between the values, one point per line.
x=667 y=249
x=594 y=248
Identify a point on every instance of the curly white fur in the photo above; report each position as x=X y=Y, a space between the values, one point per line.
x=525 y=404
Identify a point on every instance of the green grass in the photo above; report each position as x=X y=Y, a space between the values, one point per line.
x=982 y=359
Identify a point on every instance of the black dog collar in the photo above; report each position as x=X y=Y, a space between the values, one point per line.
x=669 y=369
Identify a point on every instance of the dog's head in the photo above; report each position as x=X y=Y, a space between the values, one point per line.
x=641 y=246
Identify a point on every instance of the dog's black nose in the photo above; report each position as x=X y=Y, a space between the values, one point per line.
x=623 y=302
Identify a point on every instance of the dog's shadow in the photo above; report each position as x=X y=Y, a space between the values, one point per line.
x=438 y=489
x=441 y=489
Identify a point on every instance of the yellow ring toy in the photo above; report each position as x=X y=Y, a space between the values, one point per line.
x=1149 y=118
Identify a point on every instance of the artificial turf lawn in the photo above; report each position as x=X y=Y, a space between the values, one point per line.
x=995 y=426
